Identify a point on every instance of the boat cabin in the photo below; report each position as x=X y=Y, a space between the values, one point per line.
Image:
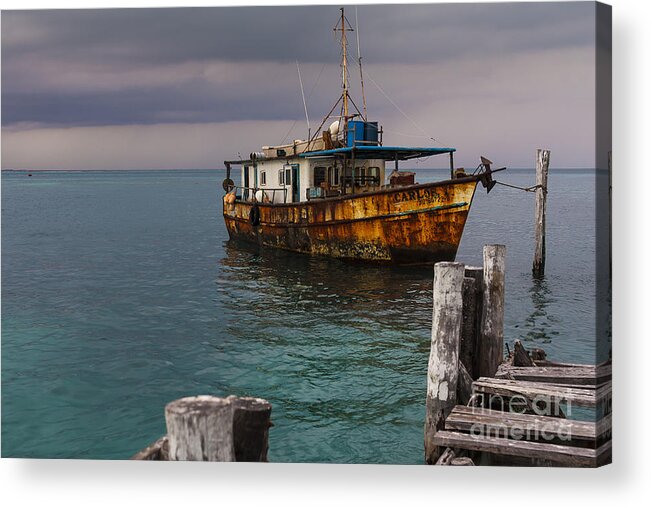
x=341 y=162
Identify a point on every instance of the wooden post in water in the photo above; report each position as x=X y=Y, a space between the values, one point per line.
x=200 y=428
x=443 y=366
x=490 y=348
x=473 y=284
x=251 y=422
x=542 y=168
x=469 y=318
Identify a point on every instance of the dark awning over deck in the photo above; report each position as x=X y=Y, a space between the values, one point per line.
x=383 y=152
x=364 y=152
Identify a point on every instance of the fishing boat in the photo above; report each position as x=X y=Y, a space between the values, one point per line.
x=330 y=195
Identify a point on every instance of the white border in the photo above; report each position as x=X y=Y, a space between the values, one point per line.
x=52 y=483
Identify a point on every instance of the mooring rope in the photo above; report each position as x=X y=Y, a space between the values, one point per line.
x=526 y=189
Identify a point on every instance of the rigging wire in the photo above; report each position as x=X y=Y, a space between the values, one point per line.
x=359 y=61
x=307 y=118
x=308 y=98
x=400 y=109
x=395 y=132
x=343 y=64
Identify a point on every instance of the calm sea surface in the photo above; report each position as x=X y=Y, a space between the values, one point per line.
x=121 y=293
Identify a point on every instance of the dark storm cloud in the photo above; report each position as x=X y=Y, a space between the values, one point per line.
x=403 y=33
x=125 y=66
x=146 y=88
x=150 y=106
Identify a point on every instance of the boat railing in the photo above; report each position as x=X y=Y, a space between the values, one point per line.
x=363 y=180
x=251 y=193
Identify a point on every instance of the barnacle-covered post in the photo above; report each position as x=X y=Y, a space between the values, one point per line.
x=443 y=367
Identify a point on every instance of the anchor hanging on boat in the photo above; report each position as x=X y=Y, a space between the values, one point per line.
x=486 y=174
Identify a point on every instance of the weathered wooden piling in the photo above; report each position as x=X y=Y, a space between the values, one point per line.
x=251 y=423
x=442 y=371
x=473 y=288
x=512 y=413
x=208 y=428
x=542 y=169
x=490 y=347
x=200 y=428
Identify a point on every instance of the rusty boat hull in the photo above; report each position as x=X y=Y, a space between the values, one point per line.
x=407 y=225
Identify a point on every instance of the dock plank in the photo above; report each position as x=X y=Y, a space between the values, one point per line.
x=577 y=375
x=533 y=427
x=561 y=454
x=580 y=395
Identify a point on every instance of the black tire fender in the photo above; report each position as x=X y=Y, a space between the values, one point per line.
x=254 y=215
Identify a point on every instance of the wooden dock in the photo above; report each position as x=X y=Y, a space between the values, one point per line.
x=521 y=413
x=504 y=419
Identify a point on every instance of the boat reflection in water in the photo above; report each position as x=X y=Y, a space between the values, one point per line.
x=338 y=348
x=280 y=284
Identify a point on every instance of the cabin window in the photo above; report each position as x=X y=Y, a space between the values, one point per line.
x=263 y=177
x=319 y=176
x=333 y=176
x=288 y=176
x=281 y=177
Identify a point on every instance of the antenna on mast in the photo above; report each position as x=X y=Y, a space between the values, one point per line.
x=359 y=60
x=307 y=118
x=344 y=62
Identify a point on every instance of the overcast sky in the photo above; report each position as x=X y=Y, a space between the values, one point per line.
x=191 y=87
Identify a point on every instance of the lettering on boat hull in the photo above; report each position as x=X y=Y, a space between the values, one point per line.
x=420 y=224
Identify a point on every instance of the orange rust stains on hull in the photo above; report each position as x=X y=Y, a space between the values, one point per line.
x=409 y=225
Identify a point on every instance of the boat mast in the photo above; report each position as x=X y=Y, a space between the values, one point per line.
x=344 y=64
x=342 y=26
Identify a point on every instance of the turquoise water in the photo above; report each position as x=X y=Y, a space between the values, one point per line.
x=121 y=293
